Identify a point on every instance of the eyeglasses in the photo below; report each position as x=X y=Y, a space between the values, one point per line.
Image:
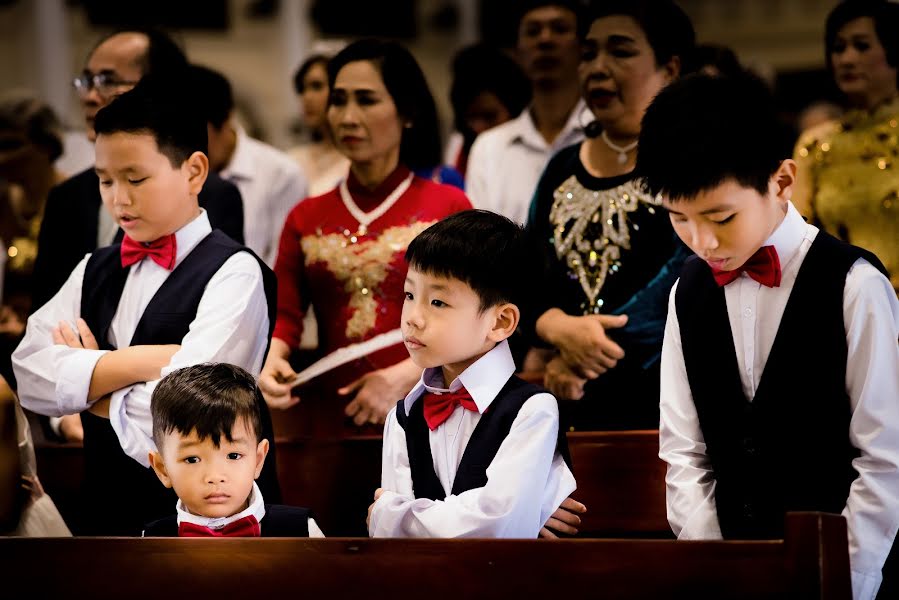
x=105 y=84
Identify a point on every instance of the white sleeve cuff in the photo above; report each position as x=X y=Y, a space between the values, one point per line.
x=74 y=380
x=135 y=442
x=865 y=584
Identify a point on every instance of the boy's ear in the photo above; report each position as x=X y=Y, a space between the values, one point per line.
x=784 y=179
x=197 y=165
x=261 y=453
x=507 y=316
x=672 y=68
x=159 y=468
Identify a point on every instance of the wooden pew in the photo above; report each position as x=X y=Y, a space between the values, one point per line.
x=811 y=563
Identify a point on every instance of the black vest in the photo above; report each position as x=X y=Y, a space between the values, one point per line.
x=488 y=435
x=788 y=449
x=279 y=521
x=120 y=494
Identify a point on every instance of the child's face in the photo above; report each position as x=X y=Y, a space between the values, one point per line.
x=728 y=224
x=443 y=326
x=147 y=196
x=210 y=481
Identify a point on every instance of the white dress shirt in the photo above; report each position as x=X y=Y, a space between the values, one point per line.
x=271 y=184
x=871 y=318
x=231 y=326
x=526 y=482
x=256 y=508
x=506 y=162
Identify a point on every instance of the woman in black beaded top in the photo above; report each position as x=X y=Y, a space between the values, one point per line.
x=610 y=254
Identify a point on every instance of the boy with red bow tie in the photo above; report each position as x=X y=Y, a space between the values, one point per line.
x=173 y=294
x=210 y=449
x=780 y=368
x=472 y=451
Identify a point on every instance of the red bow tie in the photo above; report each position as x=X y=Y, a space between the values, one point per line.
x=162 y=251
x=246 y=526
x=439 y=407
x=763 y=266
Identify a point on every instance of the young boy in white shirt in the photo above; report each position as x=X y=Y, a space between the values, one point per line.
x=172 y=294
x=208 y=433
x=780 y=368
x=472 y=451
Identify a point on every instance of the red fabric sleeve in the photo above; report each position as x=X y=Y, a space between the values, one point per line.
x=289 y=271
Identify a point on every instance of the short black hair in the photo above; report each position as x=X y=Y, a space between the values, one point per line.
x=207 y=398
x=481 y=68
x=525 y=6
x=702 y=130
x=163 y=54
x=885 y=15
x=405 y=82
x=156 y=106
x=485 y=250
x=212 y=92
x=667 y=27
x=316 y=59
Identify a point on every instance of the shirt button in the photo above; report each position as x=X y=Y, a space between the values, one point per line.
x=747 y=312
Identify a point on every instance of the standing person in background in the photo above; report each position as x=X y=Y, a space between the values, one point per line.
x=505 y=162
x=848 y=180
x=319 y=159
x=343 y=252
x=269 y=182
x=611 y=255
x=489 y=88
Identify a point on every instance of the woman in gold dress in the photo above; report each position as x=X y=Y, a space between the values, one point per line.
x=849 y=169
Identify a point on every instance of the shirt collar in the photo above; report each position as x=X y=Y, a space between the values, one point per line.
x=256 y=508
x=483 y=379
x=191 y=234
x=788 y=236
x=525 y=131
x=241 y=164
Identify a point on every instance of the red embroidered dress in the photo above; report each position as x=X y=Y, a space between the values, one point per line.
x=353 y=272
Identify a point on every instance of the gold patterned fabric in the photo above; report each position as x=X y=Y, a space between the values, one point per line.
x=851 y=173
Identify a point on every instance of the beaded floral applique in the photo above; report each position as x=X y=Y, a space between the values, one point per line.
x=591 y=227
x=361 y=263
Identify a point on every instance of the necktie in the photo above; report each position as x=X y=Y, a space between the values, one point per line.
x=439 y=407
x=246 y=526
x=162 y=251
x=763 y=266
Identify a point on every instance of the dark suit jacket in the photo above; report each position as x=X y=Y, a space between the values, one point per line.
x=69 y=227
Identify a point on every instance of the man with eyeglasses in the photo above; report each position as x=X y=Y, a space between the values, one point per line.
x=74 y=222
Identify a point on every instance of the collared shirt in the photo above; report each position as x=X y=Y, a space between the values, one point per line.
x=871 y=318
x=230 y=327
x=526 y=482
x=256 y=507
x=271 y=184
x=506 y=162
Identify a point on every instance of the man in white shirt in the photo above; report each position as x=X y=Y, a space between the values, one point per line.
x=270 y=182
x=506 y=162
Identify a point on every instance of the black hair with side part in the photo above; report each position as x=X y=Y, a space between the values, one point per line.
x=299 y=86
x=207 y=398
x=157 y=106
x=885 y=15
x=212 y=94
x=485 y=250
x=405 y=82
x=701 y=131
x=666 y=26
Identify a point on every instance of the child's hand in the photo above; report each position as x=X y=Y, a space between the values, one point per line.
x=584 y=345
x=378 y=493
x=564 y=520
x=63 y=335
x=274 y=381
x=376 y=393
x=562 y=381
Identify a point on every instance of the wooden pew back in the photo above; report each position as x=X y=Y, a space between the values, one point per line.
x=812 y=562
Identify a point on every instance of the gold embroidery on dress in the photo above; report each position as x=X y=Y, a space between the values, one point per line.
x=361 y=265
x=590 y=228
